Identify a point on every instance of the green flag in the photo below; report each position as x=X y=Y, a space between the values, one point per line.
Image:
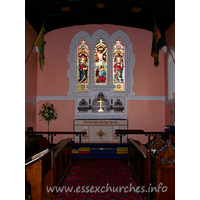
x=40 y=44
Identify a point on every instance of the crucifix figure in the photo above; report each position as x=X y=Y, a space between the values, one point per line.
x=100 y=109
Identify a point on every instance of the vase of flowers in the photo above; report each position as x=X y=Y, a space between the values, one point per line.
x=48 y=113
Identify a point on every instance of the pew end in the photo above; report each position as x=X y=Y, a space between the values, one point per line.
x=153 y=166
x=165 y=164
x=49 y=170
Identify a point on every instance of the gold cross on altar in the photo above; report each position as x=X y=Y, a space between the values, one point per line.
x=100 y=109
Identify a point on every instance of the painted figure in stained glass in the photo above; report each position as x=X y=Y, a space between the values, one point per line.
x=83 y=69
x=119 y=66
x=118 y=69
x=100 y=63
x=82 y=66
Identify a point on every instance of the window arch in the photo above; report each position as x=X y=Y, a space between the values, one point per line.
x=116 y=52
x=171 y=74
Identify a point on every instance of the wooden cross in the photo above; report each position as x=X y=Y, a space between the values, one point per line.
x=100 y=110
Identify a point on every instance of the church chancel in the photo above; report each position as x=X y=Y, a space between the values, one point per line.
x=101 y=85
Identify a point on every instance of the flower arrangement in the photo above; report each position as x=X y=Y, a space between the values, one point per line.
x=48 y=112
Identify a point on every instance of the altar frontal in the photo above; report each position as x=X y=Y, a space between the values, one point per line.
x=100 y=131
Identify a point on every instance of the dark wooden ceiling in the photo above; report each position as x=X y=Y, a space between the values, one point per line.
x=65 y=13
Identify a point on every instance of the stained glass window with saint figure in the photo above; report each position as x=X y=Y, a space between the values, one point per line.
x=100 y=63
x=119 y=66
x=82 y=66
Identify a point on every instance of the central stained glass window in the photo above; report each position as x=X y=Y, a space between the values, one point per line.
x=100 y=68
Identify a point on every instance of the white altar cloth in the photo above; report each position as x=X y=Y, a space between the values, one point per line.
x=100 y=131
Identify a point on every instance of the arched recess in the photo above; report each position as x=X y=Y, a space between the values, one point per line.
x=100 y=34
x=92 y=41
x=171 y=74
x=129 y=56
x=72 y=58
x=87 y=96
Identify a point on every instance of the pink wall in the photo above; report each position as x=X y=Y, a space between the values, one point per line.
x=170 y=38
x=145 y=115
x=30 y=78
x=148 y=80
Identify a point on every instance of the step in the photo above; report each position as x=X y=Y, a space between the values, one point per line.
x=100 y=150
x=99 y=155
x=98 y=145
x=103 y=152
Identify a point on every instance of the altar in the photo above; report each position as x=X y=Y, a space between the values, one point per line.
x=100 y=130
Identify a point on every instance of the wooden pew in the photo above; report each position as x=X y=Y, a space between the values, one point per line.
x=165 y=163
x=162 y=169
x=154 y=167
x=156 y=142
x=61 y=160
x=152 y=147
x=32 y=147
x=49 y=170
x=139 y=164
x=36 y=145
x=38 y=174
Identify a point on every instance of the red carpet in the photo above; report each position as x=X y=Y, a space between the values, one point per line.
x=99 y=179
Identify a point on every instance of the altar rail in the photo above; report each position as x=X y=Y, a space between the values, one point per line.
x=54 y=133
x=152 y=166
x=49 y=170
x=167 y=135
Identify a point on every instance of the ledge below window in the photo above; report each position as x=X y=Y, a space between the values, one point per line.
x=170 y=101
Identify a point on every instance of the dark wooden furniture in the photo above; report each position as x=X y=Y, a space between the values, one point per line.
x=165 y=164
x=55 y=133
x=153 y=146
x=162 y=168
x=36 y=145
x=38 y=174
x=61 y=160
x=156 y=142
x=139 y=164
x=49 y=170
x=154 y=167
x=171 y=131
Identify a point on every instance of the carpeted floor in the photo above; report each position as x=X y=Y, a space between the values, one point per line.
x=91 y=176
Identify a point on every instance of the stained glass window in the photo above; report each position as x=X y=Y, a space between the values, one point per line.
x=82 y=66
x=119 y=66
x=100 y=71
